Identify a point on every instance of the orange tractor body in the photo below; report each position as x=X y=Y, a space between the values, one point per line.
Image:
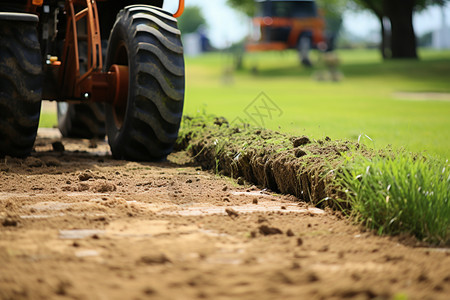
x=74 y=39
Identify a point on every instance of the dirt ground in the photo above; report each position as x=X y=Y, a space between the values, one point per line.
x=75 y=224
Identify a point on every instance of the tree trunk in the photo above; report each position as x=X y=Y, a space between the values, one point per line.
x=383 y=37
x=403 y=38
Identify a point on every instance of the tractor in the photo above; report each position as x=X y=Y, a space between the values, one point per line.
x=115 y=68
x=293 y=24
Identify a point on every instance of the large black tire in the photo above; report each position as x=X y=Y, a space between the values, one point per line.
x=20 y=87
x=147 y=40
x=83 y=121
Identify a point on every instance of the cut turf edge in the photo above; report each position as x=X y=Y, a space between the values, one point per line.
x=321 y=172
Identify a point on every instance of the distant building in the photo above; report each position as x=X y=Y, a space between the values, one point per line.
x=196 y=43
x=441 y=37
x=192 y=44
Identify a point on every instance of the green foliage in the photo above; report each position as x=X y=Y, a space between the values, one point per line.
x=401 y=194
x=402 y=41
x=191 y=19
x=246 y=6
x=379 y=7
x=421 y=4
x=331 y=8
x=334 y=8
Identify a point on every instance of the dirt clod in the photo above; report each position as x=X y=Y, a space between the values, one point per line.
x=33 y=162
x=154 y=259
x=422 y=277
x=58 y=146
x=232 y=213
x=9 y=222
x=220 y=121
x=82 y=187
x=299 y=153
x=104 y=187
x=51 y=161
x=149 y=291
x=267 y=230
x=313 y=277
x=93 y=144
x=324 y=249
x=356 y=277
x=62 y=288
x=85 y=176
x=289 y=232
x=296 y=266
x=262 y=219
x=301 y=141
x=438 y=288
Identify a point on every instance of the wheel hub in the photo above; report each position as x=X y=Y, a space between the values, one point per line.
x=119 y=86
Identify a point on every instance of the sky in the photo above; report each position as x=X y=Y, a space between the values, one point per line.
x=226 y=26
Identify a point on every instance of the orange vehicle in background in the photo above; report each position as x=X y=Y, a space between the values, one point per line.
x=280 y=25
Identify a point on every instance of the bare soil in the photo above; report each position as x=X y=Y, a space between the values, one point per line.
x=75 y=224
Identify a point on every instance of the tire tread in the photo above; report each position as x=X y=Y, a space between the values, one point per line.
x=158 y=87
x=20 y=87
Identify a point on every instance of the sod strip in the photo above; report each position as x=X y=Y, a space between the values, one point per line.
x=326 y=173
x=286 y=164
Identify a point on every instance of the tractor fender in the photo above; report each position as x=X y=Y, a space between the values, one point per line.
x=21 y=17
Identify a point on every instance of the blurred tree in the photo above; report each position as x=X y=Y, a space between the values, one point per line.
x=332 y=11
x=191 y=19
x=330 y=7
x=246 y=6
x=398 y=15
x=376 y=7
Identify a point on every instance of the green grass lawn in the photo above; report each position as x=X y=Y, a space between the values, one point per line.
x=362 y=103
x=48 y=120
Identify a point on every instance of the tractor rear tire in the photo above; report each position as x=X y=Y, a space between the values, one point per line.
x=20 y=87
x=145 y=126
x=82 y=121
